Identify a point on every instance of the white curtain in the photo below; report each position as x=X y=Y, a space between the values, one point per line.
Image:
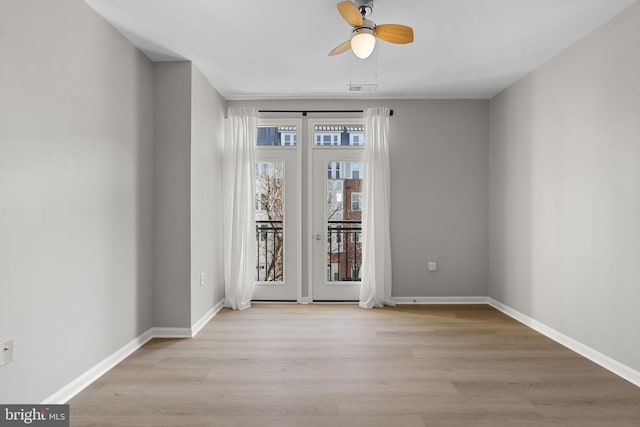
x=239 y=207
x=375 y=290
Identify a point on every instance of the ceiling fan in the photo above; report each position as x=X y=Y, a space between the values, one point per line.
x=365 y=32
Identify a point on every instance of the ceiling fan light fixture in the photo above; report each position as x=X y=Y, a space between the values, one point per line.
x=365 y=32
x=363 y=42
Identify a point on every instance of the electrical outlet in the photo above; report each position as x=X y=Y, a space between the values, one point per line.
x=432 y=266
x=202 y=279
x=6 y=352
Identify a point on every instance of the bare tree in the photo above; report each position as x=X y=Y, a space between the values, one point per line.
x=334 y=205
x=269 y=201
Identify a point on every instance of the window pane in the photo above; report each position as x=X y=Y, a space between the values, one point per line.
x=340 y=135
x=356 y=202
x=269 y=221
x=277 y=136
x=344 y=216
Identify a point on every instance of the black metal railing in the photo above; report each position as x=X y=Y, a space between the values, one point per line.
x=269 y=251
x=344 y=250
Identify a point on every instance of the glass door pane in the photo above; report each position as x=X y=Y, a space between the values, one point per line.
x=337 y=213
x=344 y=221
x=269 y=222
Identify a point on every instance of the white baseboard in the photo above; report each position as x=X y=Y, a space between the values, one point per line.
x=441 y=300
x=67 y=392
x=196 y=327
x=595 y=356
x=163 y=332
x=76 y=386
x=414 y=300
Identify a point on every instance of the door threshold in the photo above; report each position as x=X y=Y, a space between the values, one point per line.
x=338 y=301
x=267 y=301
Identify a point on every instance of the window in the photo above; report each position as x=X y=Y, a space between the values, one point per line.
x=288 y=139
x=277 y=136
x=339 y=135
x=356 y=137
x=356 y=202
x=337 y=170
x=356 y=170
x=269 y=218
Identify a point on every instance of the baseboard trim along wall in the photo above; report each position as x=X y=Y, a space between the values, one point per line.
x=67 y=392
x=84 y=380
x=441 y=300
x=196 y=327
x=160 y=332
x=595 y=356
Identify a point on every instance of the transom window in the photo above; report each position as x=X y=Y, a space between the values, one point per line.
x=338 y=135
x=277 y=136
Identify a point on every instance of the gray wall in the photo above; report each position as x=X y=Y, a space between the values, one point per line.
x=188 y=124
x=76 y=181
x=103 y=231
x=439 y=192
x=565 y=192
x=172 y=227
x=207 y=127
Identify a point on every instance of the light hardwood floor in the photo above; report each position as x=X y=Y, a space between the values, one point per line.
x=340 y=365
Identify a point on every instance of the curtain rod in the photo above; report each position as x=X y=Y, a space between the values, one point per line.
x=304 y=112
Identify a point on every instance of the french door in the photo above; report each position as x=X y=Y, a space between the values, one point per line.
x=333 y=210
x=338 y=174
x=278 y=211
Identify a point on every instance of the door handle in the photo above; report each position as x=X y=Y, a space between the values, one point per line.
x=318 y=236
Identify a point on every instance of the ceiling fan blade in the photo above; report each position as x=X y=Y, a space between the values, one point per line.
x=394 y=33
x=350 y=13
x=341 y=49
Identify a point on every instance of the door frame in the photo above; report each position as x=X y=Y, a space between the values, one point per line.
x=262 y=122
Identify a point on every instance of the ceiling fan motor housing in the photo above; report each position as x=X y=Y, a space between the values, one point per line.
x=365 y=7
x=367 y=27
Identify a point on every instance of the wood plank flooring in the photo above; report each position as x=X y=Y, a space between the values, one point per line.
x=340 y=365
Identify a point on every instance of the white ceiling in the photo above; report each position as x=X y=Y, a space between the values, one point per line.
x=277 y=49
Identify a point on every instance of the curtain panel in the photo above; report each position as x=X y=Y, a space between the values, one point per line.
x=375 y=290
x=239 y=207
